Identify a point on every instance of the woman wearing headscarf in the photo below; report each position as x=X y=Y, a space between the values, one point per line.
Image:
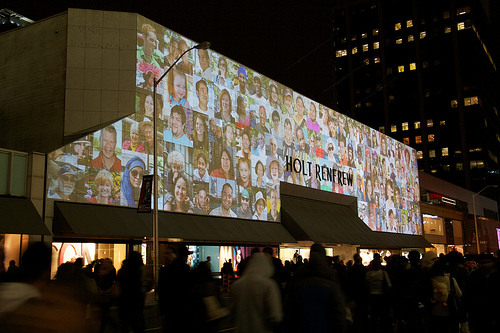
x=131 y=181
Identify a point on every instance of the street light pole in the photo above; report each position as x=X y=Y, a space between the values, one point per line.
x=156 y=267
x=475 y=216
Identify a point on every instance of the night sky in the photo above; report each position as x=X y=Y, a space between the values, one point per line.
x=274 y=38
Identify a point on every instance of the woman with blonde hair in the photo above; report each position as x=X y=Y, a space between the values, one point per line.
x=104 y=187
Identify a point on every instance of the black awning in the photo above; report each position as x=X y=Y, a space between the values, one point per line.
x=206 y=228
x=19 y=216
x=333 y=219
x=77 y=219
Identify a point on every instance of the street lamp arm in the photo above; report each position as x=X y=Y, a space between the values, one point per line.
x=201 y=46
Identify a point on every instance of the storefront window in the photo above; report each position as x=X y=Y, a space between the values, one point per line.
x=433 y=225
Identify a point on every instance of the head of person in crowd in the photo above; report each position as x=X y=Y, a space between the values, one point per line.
x=257 y=85
x=225 y=104
x=273 y=90
x=79 y=147
x=148 y=107
x=259 y=170
x=204 y=59
x=242 y=79
x=273 y=199
x=200 y=133
x=261 y=140
x=104 y=186
x=201 y=164
x=132 y=180
x=108 y=142
x=260 y=204
x=288 y=131
x=288 y=98
x=273 y=145
x=245 y=201
x=134 y=134
x=262 y=116
x=342 y=147
x=240 y=108
x=312 y=112
x=244 y=172
x=222 y=65
x=173 y=49
x=201 y=199
x=177 y=121
x=275 y=116
x=146 y=128
x=183 y=47
x=350 y=154
x=299 y=105
x=275 y=171
x=229 y=134
x=177 y=86
x=202 y=93
x=150 y=40
x=227 y=198
x=226 y=163
x=66 y=180
x=301 y=140
x=245 y=141
x=330 y=148
x=181 y=184
x=332 y=129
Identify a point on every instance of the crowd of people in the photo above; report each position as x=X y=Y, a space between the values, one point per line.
x=429 y=293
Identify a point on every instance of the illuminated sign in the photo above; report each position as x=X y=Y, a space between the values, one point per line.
x=227 y=136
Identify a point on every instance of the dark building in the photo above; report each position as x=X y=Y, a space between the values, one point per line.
x=425 y=73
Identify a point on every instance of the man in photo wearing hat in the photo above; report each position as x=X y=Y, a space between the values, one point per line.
x=260 y=205
x=273 y=198
x=178 y=124
x=107 y=158
x=66 y=180
x=243 y=211
x=226 y=201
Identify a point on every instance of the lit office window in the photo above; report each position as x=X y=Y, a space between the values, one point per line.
x=472 y=164
x=446 y=168
x=430 y=123
x=444 y=151
x=413 y=66
x=416 y=124
x=474 y=100
x=338 y=53
x=394 y=128
x=376 y=45
x=375 y=32
x=447 y=30
x=357 y=106
x=410 y=38
x=461 y=26
x=376 y=60
x=432 y=153
x=425 y=64
x=446 y=14
x=434 y=171
x=463 y=10
x=454 y=103
x=353 y=38
x=389 y=71
x=420 y=155
x=430 y=137
x=418 y=139
x=458 y=152
x=401 y=69
x=365 y=47
x=404 y=126
x=397 y=26
x=354 y=50
x=364 y=35
x=381 y=129
x=409 y=23
x=442 y=123
x=459 y=166
x=423 y=34
x=399 y=41
x=366 y=61
x=344 y=53
x=480 y=164
x=406 y=141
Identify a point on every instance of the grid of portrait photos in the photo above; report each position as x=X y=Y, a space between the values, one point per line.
x=224 y=133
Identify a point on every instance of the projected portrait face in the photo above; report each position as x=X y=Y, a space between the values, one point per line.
x=179 y=86
x=204 y=59
x=180 y=189
x=149 y=106
x=245 y=202
x=244 y=170
x=225 y=162
x=299 y=104
x=150 y=42
x=202 y=165
x=177 y=123
x=202 y=93
x=229 y=134
x=202 y=198
x=301 y=139
x=147 y=131
x=136 y=174
x=108 y=143
x=223 y=67
x=66 y=184
x=200 y=128
x=227 y=196
x=312 y=112
x=245 y=142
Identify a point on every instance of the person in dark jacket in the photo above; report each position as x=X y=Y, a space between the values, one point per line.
x=315 y=302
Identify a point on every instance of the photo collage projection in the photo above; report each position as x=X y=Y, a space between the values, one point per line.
x=224 y=133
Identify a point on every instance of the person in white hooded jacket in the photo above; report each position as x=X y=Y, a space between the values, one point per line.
x=257 y=297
